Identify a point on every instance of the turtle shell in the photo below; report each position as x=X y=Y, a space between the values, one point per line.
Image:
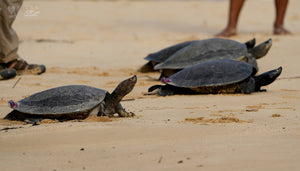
x=165 y=53
x=204 y=50
x=62 y=100
x=211 y=73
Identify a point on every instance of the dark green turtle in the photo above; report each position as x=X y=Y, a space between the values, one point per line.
x=211 y=49
x=216 y=76
x=72 y=102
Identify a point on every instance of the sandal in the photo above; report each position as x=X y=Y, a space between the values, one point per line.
x=7 y=74
x=22 y=67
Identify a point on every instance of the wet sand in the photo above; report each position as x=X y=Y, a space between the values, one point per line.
x=101 y=43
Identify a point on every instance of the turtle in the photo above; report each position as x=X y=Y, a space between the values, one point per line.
x=214 y=48
x=161 y=56
x=72 y=102
x=216 y=77
x=164 y=54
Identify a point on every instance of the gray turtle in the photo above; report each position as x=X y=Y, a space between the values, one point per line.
x=210 y=49
x=161 y=56
x=216 y=76
x=72 y=102
x=164 y=54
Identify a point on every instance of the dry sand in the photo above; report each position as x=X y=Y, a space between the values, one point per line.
x=100 y=43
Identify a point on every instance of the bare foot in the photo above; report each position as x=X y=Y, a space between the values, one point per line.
x=281 y=31
x=227 y=32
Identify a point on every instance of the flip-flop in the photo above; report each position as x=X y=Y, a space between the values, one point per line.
x=7 y=74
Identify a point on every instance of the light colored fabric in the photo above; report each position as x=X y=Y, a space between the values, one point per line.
x=9 y=41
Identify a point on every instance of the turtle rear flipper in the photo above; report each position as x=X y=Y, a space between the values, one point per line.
x=15 y=115
x=163 y=90
x=152 y=88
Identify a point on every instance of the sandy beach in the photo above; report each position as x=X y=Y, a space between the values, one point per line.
x=101 y=43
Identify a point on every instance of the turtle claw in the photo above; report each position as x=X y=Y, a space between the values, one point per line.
x=126 y=114
x=131 y=114
x=33 y=121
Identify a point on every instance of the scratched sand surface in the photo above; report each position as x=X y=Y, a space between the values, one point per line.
x=100 y=43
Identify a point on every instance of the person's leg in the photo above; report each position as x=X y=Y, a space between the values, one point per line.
x=234 y=12
x=281 y=6
x=9 y=41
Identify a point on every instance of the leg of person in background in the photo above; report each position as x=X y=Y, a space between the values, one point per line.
x=281 y=6
x=9 y=42
x=234 y=12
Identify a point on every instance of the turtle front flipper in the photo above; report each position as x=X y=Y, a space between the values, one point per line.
x=122 y=113
x=111 y=103
x=249 y=86
x=15 y=115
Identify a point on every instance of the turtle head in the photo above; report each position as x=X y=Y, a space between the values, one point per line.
x=125 y=87
x=262 y=49
x=267 y=78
